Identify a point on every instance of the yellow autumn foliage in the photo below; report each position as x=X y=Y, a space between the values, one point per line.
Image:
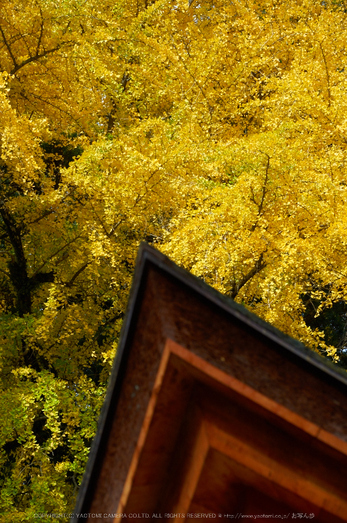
x=215 y=131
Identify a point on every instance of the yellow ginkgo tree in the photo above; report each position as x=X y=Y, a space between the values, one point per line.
x=215 y=131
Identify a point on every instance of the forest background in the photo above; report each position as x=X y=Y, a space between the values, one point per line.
x=216 y=131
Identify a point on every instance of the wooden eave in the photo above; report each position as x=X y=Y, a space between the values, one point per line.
x=205 y=402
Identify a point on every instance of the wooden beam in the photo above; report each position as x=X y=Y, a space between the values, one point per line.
x=144 y=431
x=263 y=401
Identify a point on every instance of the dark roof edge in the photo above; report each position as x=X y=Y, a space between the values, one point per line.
x=82 y=502
x=148 y=253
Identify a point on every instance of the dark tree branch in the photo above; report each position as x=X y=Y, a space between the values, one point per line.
x=77 y=273
x=33 y=59
x=40 y=35
x=44 y=215
x=260 y=205
x=260 y=264
x=18 y=272
x=13 y=232
x=39 y=270
x=8 y=47
x=41 y=277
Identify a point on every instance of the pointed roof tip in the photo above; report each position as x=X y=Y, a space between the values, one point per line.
x=147 y=254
